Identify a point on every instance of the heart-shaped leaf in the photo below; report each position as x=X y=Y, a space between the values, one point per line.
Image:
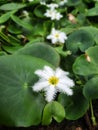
x=19 y=105
x=42 y=51
x=92 y=52
x=79 y=39
x=73 y=2
x=93 y=31
x=87 y=64
x=90 y=89
x=76 y=105
x=92 y=12
x=53 y=110
x=39 y=11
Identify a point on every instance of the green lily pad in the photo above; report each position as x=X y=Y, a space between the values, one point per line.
x=53 y=110
x=92 y=12
x=93 y=31
x=19 y=105
x=90 y=89
x=39 y=11
x=75 y=105
x=92 y=52
x=41 y=50
x=79 y=40
x=85 y=67
x=73 y=2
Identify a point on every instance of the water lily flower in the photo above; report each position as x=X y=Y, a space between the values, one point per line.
x=53 y=81
x=53 y=14
x=42 y=2
x=30 y=0
x=62 y=2
x=25 y=13
x=52 y=6
x=57 y=37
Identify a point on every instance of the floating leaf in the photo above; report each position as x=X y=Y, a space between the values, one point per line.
x=92 y=53
x=76 y=105
x=53 y=110
x=73 y=2
x=19 y=105
x=92 y=12
x=93 y=31
x=79 y=39
x=39 y=11
x=90 y=89
x=42 y=51
x=83 y=67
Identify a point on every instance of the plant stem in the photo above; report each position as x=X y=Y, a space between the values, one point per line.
x=92 y=114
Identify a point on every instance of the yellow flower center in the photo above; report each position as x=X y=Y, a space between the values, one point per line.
x=57 y=35
x=53 y=80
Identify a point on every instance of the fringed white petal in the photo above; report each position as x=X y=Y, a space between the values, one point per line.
x=60 y=73
x=52 y=6
x=41 y=74
x=40 y=85
x=49 y=36
x=49 y=70
x=45 y=73
x=50 y=93
x=66 y=81
x=54 y=40
x=64 y=89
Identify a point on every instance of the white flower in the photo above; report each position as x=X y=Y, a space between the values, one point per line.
x=2 y=27
x=52 y=6
x=30 y=0
x=53 y=14
x=57 y=36
x=42 y=2
x=53 y=81
x=25 y=13
x=62 y=2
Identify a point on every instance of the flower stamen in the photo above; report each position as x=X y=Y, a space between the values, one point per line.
x=53 y=80
x=57 y=35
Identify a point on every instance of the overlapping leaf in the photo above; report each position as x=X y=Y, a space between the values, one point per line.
x=87 y=65
x=84 y=66
x=41 y=50
x=53 y=110
x=75 y=105
x=12 y=6
x=19 y=105
x=79 y=40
